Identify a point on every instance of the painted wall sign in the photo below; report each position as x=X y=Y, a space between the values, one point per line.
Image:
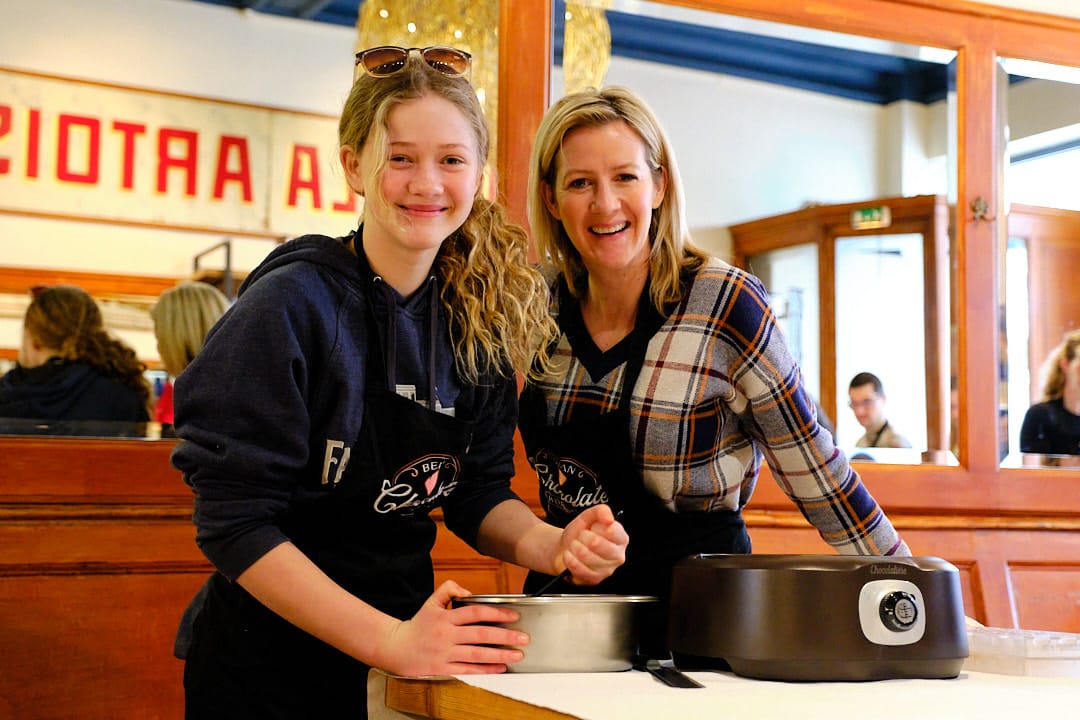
x=98 y=151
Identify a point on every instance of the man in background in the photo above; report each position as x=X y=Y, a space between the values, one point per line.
x=867 y=400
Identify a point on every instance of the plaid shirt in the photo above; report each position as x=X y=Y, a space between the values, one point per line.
x=718 y=392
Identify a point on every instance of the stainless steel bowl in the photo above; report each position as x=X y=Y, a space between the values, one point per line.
x=573 y=633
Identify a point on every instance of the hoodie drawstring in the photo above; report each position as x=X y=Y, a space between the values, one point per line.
x=433 y=400
x=390 y=344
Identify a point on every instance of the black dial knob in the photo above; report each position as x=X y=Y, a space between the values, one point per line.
x=898 y=610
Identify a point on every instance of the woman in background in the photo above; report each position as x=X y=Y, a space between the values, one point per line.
x=70 y=367
x=1052 y=426
x=182 y=316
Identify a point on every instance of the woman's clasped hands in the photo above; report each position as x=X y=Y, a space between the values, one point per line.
x=593 y=545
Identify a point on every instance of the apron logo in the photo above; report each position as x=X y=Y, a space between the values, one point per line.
x=566 y=485
x=429 y=484
x=419 y=485
x=336 y=454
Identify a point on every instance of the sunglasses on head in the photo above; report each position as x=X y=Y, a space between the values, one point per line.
x=387 y=60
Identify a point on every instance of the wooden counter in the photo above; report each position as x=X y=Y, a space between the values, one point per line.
x=637 y=696
x=100 y=560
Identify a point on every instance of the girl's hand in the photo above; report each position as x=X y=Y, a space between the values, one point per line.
x=440 y=640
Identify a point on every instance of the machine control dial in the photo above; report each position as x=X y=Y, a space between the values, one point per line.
x=892 y=611
x=898 y=610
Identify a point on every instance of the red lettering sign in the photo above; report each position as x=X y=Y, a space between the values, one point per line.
x=5 y=128
x=186 y=160
x=127 y=160
x=241 y=175
x=92 y=127
x=33 y=141
x=349 y=203
x=308 y=156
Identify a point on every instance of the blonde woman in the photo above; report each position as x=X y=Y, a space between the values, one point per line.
x=357 y=384
x=671 y=381
x=1052 y=426
x=183 y=316
x=70 y=367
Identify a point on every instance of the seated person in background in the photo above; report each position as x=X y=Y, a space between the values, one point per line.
x=182 y=316
x=70 y=367
x=1052 y=426
x=867 y=400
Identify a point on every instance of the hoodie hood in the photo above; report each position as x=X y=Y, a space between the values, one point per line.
x=327 y=252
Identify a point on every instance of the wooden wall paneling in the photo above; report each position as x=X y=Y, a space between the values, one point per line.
x=99 y=563
x=90 y=599
x=1046 y=595
x=453 y=559
x=49 y=469
x=19 y=280
x=938 y=310
x=92 y=645
x=976 y=241
x=524 y=79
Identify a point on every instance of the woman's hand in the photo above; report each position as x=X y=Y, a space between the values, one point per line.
x=440 y=640
x=593 y=545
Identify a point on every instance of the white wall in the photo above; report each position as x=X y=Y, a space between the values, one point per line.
x=186 y=47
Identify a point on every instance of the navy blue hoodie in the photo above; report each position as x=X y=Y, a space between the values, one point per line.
x=284 y=371
x=60 y=390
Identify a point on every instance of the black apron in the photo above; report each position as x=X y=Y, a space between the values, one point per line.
x=590 y=461
x=369 y=531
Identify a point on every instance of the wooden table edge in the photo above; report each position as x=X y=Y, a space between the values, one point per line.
x=447 y=698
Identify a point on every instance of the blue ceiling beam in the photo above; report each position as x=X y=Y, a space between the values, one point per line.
x=856 y=75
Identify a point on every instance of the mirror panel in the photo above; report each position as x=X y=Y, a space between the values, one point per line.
x=1040 y=250
x=768 y=119
x=876 y=274
x=791 y=273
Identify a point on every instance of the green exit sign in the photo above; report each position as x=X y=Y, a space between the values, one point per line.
x=868 y=218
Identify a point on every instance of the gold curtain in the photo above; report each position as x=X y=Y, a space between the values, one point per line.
x=470 y=25
x=586 y=44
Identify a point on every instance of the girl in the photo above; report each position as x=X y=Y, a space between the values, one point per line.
x=71 y=368
x=357 y=384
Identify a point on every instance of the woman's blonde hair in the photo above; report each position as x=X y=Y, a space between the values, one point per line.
x=66 y=320
x=497 y=301
x=1053 y=375
x=672 y=249
x=182 y=316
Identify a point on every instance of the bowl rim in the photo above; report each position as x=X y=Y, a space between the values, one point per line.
x=555 y=599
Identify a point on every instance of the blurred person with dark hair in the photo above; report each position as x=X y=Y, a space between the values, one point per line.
x=70 y=367
x=1052 y=426
x=182 y=316
x=866 y=398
